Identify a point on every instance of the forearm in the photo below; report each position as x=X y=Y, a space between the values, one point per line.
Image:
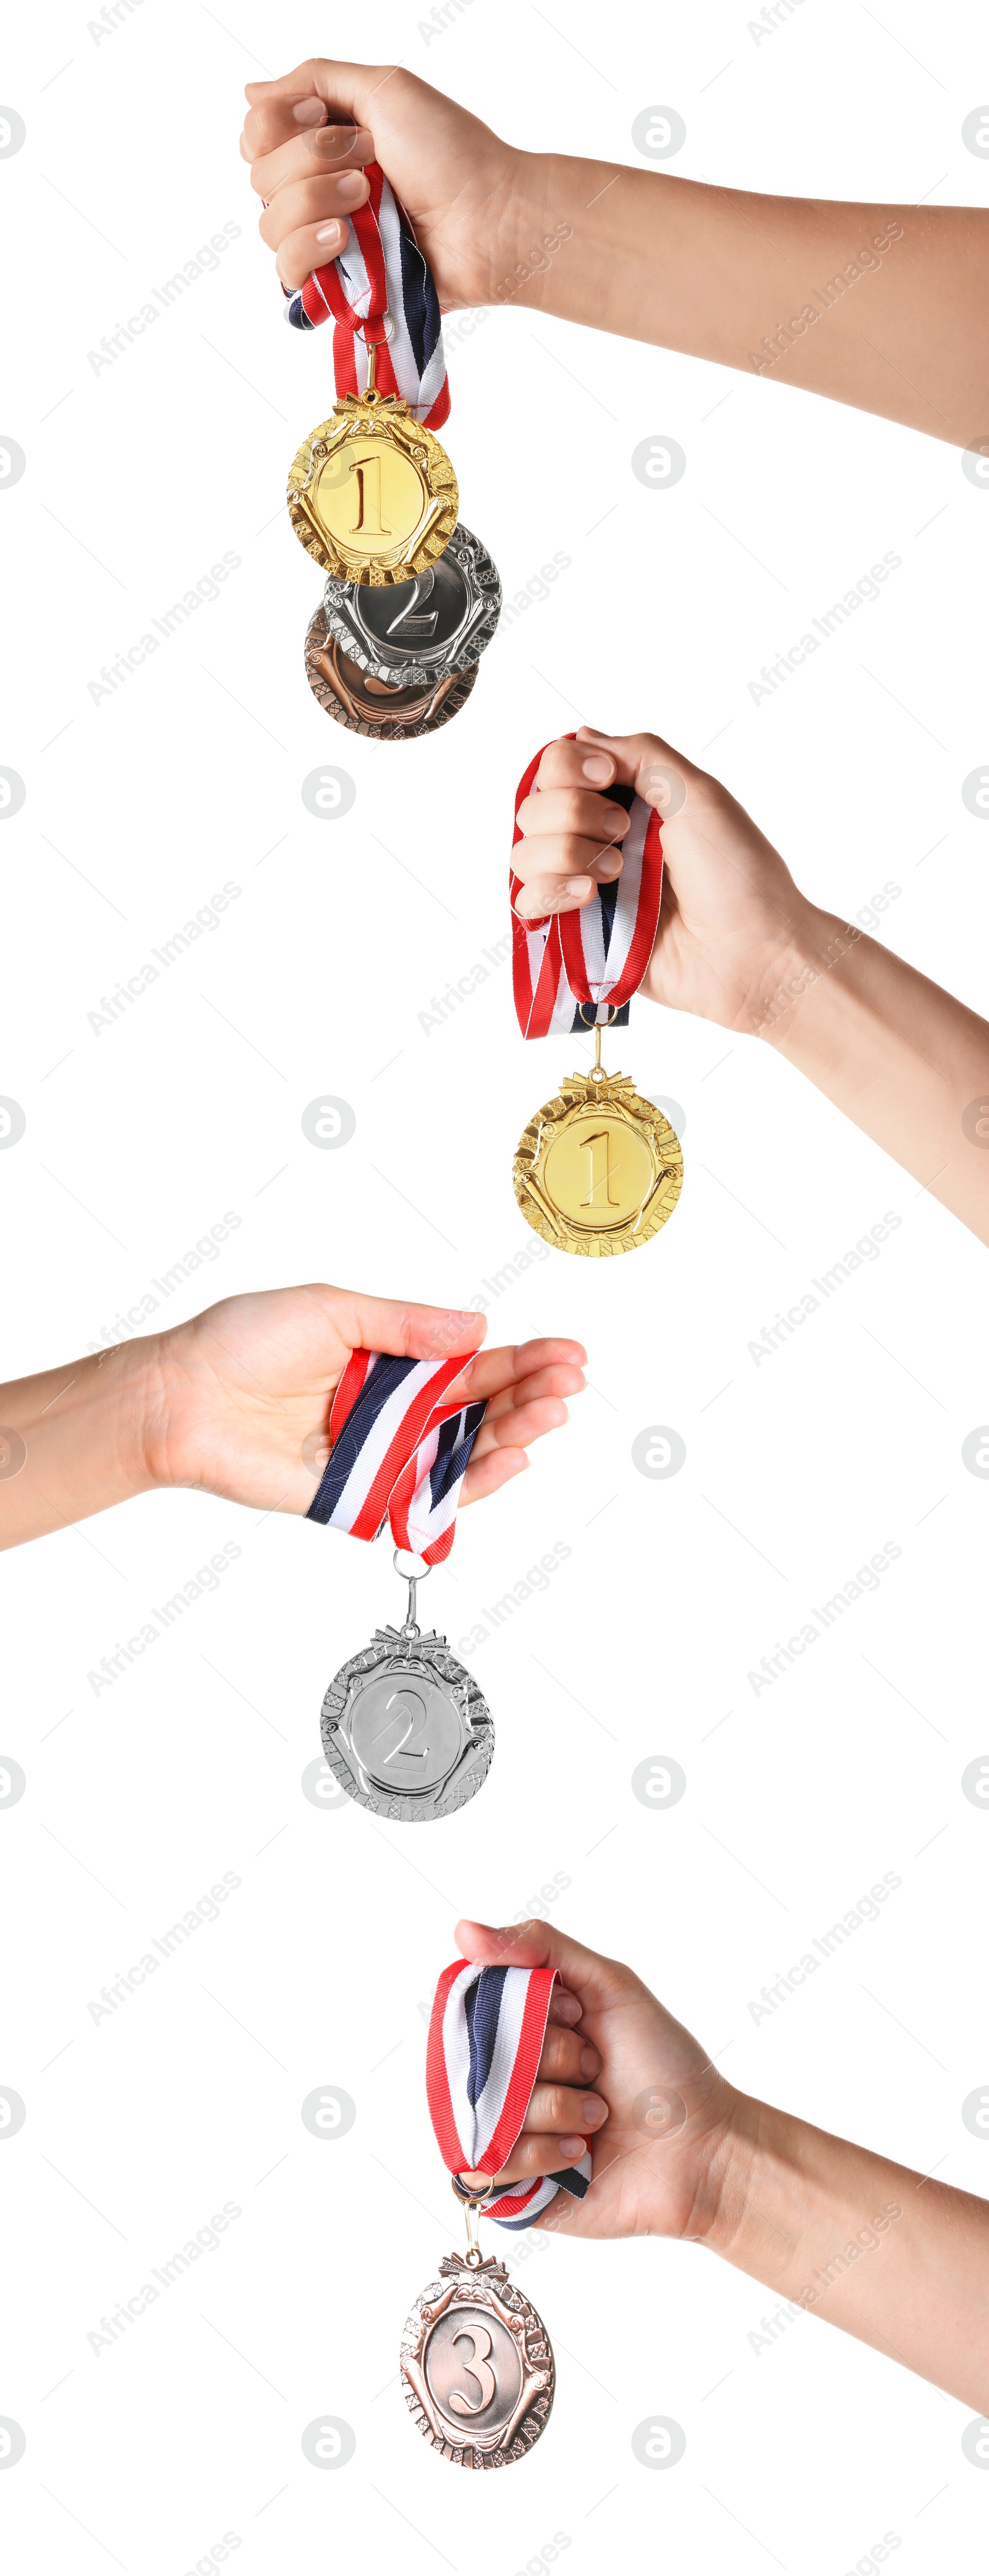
x=904 y=1060
x=873 y=305
x=84 y=1431
x=889 y=2255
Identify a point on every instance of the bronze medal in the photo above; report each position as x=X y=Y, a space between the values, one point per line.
x=364 y=704
x=477 y=2365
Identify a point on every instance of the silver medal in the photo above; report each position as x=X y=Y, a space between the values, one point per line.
x=406 y=1730
x=421 y=630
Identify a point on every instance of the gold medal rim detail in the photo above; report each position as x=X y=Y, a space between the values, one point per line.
x=382 y=417
x=615 y=1093
x=483 y=2286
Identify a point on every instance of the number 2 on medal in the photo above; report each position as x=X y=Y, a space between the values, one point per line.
x=408 y=622
x=405 y=1704
x=367 y=476
x=600 y=1173
x=478 y=2367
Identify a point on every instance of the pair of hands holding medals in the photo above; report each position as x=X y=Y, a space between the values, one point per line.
x=411 y=599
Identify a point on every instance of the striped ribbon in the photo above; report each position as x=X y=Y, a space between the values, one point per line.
x=397 y=1452
x=382 y=273
x=486 y=2035
x=571 y=970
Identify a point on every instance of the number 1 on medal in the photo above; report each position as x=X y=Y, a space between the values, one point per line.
x=368 y=520
x=600 y=1172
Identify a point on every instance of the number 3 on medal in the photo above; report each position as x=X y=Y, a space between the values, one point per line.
x=477 y=2368
x=367 y=475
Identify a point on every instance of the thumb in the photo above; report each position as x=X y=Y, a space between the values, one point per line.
x=542 y=1945
x=657 y=772
x=409 y=1332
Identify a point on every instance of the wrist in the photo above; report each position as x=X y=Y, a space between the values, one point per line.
x=535 y=263
x=742 y=2151
x=110 y=1428
x=84 y=1432
x=694 y=2184
x=816 y=943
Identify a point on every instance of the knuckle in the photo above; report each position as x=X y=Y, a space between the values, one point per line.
x=316 y=198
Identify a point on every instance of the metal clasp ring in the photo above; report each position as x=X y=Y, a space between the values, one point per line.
x=409 y=1627
x=612 y=1008
x=471 y=2202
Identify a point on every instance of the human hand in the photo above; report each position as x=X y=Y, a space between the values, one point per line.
x=308 y=135
x=239 y=1398
x=731 y=916
x=655 y=2172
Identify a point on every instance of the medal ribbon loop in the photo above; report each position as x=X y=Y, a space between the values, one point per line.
x=573 y=970
x=398 y=1452
x=380 y=289
x=486 y=2035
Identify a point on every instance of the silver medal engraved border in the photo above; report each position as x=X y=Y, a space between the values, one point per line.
x=482 y=581
x=487 y=2286
x=404 y=1651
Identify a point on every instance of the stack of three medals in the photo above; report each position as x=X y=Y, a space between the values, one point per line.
x=397 y=663
x=411 y=596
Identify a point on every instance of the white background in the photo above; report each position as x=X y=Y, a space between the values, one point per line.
x=140 y=1137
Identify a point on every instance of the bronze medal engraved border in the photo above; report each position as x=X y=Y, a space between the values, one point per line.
x=485 y=2286
x=615 y=1092
x=392 y=1652
x=381 y=416
x=346 y=698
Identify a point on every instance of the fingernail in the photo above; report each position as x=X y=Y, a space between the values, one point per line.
x=309 y=111
x=612 y=865
x=588 y=2061
x=567 y=2009
x=330 y=233
x=594 y=2110
x=352 y=186
x=599 y=768
x=570 y=2146
x=581 y=887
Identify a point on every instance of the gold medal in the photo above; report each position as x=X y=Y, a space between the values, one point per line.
x=371 y=495
x=599 y=1169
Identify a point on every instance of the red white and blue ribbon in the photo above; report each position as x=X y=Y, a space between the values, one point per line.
x=571 y=970
x=486 y=2035
x=382 y=273
x=397 y=1452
